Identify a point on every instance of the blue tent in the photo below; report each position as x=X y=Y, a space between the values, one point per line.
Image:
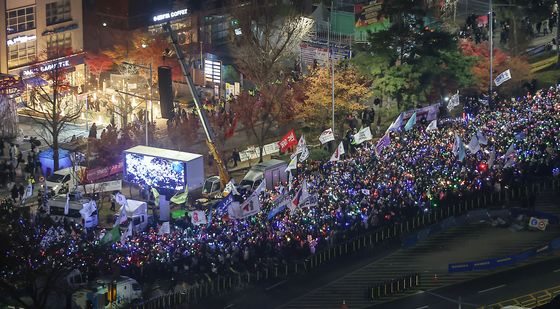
x=47 y=162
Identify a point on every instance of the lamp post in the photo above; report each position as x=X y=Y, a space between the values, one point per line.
x=491 y=37
x=149 y=68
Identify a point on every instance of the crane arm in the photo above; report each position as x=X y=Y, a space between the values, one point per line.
x=210 y=137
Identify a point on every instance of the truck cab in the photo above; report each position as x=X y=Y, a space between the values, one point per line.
x=212 y=188
x=274 y=171
x=137 y=211
x=64 y=179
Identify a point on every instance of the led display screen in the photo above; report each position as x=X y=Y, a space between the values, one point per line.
x=154 y=171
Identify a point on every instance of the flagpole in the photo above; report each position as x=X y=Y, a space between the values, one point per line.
x=491 y=38
x=332 y=64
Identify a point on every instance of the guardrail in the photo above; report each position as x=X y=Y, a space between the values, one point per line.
x=223 y=284
x=395 y=286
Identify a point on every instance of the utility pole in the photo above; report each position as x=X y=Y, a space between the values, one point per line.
x=491 y=37
x=558 y=34
x=331 y=55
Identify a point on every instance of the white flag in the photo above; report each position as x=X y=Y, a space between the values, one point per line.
x=481 y=138
x=67 y=205
x=120 y=199
x=300 y=146
x=230 y=187
x=473 y=145
x=164 y=228
x=338 y=152
x=87 y=209
x=250 y=206
x=454 y=101
x=362 y=136
x=121 y=218
x=502 y=78
x=198 y=217
x=292 y=165
x=432 y=126
x=396 y=125
x=326 y=136
x=127 y=233
x=510 y=151
x=304 y=154
x=509 y=162
x=290 y=180
x=492 y=158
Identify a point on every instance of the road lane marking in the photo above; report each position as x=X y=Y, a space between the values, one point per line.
x=491 y=289
x=423 y=307
x=557 y=270
x=275 y=285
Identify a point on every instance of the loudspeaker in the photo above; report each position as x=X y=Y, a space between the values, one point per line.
x=165 y=92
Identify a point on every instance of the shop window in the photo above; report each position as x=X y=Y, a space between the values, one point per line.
x=59 y=44
x=21 y=19
x=21 y=53
x=58 y=11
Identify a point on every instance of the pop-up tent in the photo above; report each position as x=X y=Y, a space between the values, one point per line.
x=47 y=162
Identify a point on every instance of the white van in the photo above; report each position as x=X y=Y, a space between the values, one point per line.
x=64 y=179
x=82 y=211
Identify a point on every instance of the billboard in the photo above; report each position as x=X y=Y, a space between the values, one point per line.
x=153 y=171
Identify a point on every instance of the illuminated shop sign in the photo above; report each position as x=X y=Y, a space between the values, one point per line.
x=60 y=63
x=21 y=39
x=213 y=71
x=166 y=16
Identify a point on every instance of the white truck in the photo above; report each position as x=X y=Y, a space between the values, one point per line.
x=168 y=170
x=81 y=210
x=274 y=171
x=137 y=211
x=69 y=178
x=108 y=292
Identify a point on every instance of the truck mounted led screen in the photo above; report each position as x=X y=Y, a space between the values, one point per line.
x=154 y=171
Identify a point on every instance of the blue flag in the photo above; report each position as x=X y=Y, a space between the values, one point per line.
x=410 y=123
x=275 y=211
x=222 y=206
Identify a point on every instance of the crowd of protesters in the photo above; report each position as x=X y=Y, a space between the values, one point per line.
x=417 y=171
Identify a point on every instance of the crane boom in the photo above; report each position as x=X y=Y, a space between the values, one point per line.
x=210 y=137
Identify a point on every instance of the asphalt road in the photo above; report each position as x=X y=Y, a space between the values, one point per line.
x=486 y=290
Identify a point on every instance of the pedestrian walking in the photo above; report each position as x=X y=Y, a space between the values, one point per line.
x=235 y=157
x=15 y=192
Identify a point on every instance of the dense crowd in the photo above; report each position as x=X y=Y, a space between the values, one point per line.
x=418 y=171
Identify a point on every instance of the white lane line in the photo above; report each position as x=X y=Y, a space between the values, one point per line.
x=275 y=285
x=423 y=307
x=491 y=289
x=557 y=270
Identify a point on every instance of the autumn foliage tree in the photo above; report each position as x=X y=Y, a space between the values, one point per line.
x=97 y=64
x=519 y=67
x=350 y=92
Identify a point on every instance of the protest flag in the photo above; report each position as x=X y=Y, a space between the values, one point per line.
x=410 y=123
x=288 y=141
x=396 y=125
x=382 y=144
x=292 y=165
x=326 y=136
x=338 y=152
x=181 y=198
x=432 y=126
x=112 y=236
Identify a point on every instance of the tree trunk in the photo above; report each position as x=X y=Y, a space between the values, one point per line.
x=55 y=152
x=261 y=150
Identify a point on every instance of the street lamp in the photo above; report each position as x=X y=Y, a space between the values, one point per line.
x=149 y=68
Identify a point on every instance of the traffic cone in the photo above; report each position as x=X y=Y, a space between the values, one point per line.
x=435 y=277
x=343 y=306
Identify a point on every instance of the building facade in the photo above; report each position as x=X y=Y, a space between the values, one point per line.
x=41 y=35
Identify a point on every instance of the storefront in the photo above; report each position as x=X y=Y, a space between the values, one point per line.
x=37 y=75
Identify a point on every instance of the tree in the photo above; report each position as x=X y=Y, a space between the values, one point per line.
x=351 y=90
x=55 y=107
x=519 y=67
x=142 y=48
x=270 y=35
x=97 y=64
x=34 y=259
x=259 y=112
x=411 y=57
